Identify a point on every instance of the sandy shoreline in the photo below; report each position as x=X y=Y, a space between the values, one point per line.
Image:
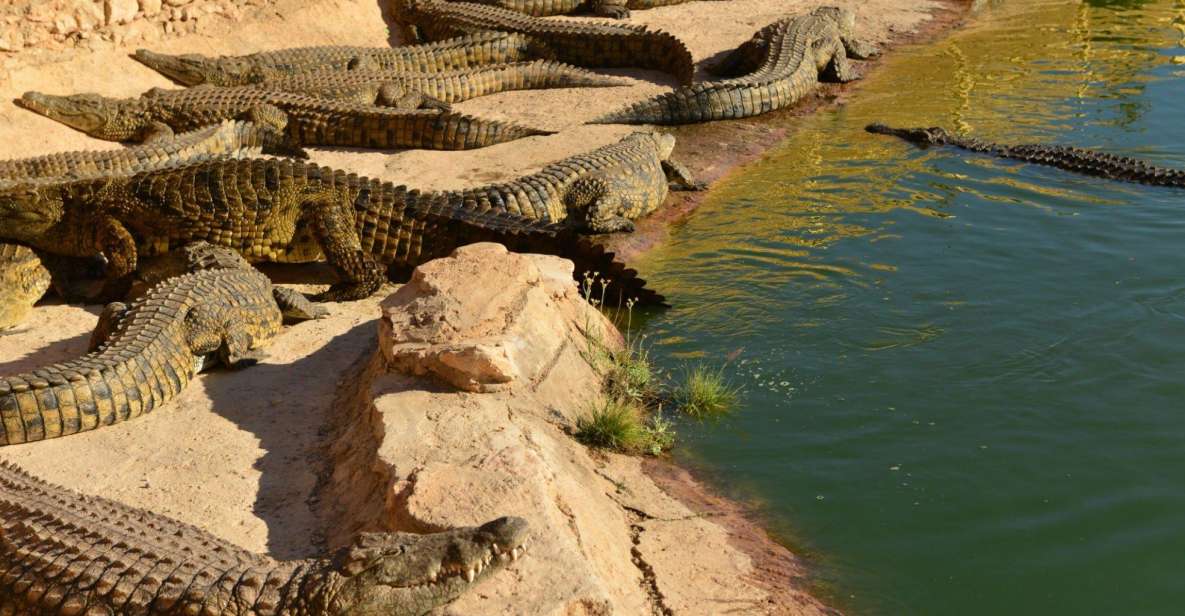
x=253 y=490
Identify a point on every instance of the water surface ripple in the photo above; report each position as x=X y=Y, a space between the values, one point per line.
x=964 y=375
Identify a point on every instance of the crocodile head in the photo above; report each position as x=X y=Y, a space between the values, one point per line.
x=397 y=574
x=98 y=116
x=844 y=18
x=917 y=136
x=193 y=69
x=28 y=210
x=664 y=143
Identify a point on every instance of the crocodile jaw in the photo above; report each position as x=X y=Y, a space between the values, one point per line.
x=95 y=115
x=186 y=69
x=401 y=574
x=918 y=136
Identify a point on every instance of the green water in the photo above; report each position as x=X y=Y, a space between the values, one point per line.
x=965 y=377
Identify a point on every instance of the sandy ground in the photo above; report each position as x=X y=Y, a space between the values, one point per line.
x=237 y=453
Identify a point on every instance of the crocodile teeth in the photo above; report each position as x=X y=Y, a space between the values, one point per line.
x=480 y=566
x=470 y=575
x=515 y=553
x=432 y=578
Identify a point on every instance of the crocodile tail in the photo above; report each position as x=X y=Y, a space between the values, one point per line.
x=549 y=74
x=682 y=106
x=670 y=54
x=1099 y=164
x=367 y=127
x=521 y=234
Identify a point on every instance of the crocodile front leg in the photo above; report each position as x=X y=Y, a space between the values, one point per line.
x=393 y=95
x=157 y=132
x=680 y=178
x=840 y=69
x=332 y=217
x=615 y=9
x=118 y=246
x=296 y=307
x=858 y=49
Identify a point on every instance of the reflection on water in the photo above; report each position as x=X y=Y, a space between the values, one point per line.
x=963 y=373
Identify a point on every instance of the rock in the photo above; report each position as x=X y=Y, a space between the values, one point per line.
x=485 y=337
x=64 y=24
x=90 y=15
x=150 y=7
x=408 y=454
x=120 y=11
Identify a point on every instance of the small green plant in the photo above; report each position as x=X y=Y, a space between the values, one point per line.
x=705 y=393
x=629 y=374
x=614 y=424
x=660 y=435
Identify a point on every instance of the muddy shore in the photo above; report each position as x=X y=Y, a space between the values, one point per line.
x=261 y=503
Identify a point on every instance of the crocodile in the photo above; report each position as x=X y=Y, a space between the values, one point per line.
x=23 y=280
x=228 y=138
x=66 y=554
x=278 y=210
x=142 y=355
x=1078 y=160
x=591 y=44
x=780 y=65
x=310 y=120
x=454 y=54
x=413 y=90
x=599 y=191
x=618 y=9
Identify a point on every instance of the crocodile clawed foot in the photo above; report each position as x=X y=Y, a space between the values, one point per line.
x=614 y=224
x=612 y=11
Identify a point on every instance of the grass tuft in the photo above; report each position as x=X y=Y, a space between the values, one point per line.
x=706 y=393
x=615 y=424
x=629 y=375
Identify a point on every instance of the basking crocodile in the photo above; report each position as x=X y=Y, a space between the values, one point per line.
x=24 y=278
x=592 y=44
x=599 y=191
x=66 y=554
x=277 y=210
x=413 y=90
x=1087 y=162
x=144 y=354
x=783 y=62
x=310 y=120
x=619 y=9
x=235 y=139
x=453 y=54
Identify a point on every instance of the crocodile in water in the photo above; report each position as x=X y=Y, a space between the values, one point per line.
x=310 y=120
x=1078 y=160
x=144 y=354
x=278 y=210
x=67 y=554
x=448 y=55
x=780 y=65
x=599 y=191
x=414 y=90
x=592 y=44
x=619 y=9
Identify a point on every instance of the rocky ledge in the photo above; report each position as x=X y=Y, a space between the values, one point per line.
x=463 y=412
